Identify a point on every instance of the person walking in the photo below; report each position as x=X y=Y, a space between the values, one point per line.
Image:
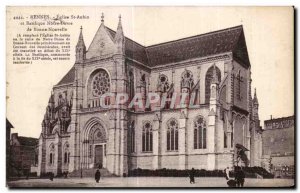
x=51 y=176
x=192 y=176
x=240 y=177
x=97 y=176
x=226 y=171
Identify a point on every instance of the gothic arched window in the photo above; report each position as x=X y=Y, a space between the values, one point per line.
x=66 y=153
x=143 y=78
x=163 y=84
x=208 y=79
x=187 y=80
x=172 y=135
x=147 y=137
x=51 y=154
x=239 y=80
x=225 y=139
x=131 y=85
x=132 y=136
x=100 y=83
x=65 y=157
x=51 y=158
x=199 y=133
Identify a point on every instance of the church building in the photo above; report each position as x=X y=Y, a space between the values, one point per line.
x=212 y=69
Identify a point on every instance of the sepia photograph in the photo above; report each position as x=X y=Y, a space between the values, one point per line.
x=150 y=97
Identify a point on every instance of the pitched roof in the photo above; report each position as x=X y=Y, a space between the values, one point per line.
x=204 y=45
x=8 y=124
x=28 y=141
x=217 y=42
x=68 y=78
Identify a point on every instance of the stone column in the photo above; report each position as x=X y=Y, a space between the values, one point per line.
x=123 y=143
x=181 y=140
x=42 y=156
x=156 y=164
x=211 y=146
x=59 y=156
x=111 y=144
x=212 y=122
x=74 y=129
x=56 y=155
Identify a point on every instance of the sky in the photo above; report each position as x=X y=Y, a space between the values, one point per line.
x=268 y=31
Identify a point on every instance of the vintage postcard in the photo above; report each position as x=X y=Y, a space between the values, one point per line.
x=135 y=97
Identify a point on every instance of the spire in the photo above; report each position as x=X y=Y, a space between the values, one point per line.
x=255 y=109
x=255 y=101
x=80 y=48
x=102 y=18
x=119 y=38
x=120 y=24
x=80 y=39
x=215 y=79
x=119 y=34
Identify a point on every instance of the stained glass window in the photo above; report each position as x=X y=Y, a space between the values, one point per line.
x=172 y=135
x=147 y=137
x=208 y=79
x=199 y=133
x=100 y=83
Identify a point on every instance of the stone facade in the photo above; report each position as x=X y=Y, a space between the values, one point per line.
x=23 y=153
x=77 y=132
x=278 y=145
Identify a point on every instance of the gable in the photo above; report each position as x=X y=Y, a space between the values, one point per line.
x=133 y=49
x=102 y=44
x=240 y=52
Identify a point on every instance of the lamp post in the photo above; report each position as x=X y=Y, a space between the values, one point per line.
x=80 y=170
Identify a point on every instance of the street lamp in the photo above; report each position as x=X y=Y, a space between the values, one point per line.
x=80 y=170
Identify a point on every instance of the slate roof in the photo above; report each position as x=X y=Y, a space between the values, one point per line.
x=217 y=42
x=204 y=45
x=28 y=141
x=133 y=49
x=68 y=78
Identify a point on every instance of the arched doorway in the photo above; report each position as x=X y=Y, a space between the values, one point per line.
x=97 y=141
x=94 y=146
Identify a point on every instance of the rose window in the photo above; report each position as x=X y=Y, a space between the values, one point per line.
x=100 y=83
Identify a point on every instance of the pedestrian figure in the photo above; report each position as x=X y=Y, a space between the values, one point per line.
x=240 y=177
x=66 y=174
x=51 y=176
x=192 y=176
x=231 y=183
x=226 y=171
x=97 y=176
x=27 y=175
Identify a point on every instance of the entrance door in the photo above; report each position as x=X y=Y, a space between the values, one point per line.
x=99 y=156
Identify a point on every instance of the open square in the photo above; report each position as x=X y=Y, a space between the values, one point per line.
x=149 y=182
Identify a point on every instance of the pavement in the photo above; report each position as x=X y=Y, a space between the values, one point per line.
x=152 y=182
